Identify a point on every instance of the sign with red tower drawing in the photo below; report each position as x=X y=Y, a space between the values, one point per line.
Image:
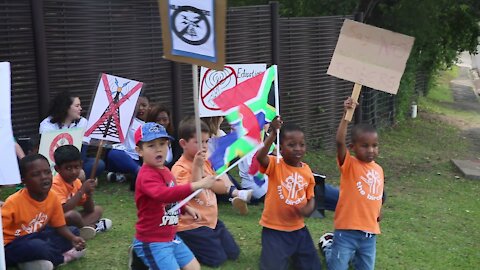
x=113 y=107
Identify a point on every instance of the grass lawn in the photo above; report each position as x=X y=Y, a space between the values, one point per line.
x=431 y=218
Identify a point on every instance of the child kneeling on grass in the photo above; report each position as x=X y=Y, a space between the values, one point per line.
x=207 y=237
x=72 y=193
x=289 y=198
x=156 y=242
x=29 y=242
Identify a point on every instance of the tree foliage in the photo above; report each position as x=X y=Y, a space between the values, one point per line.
x=442 y=28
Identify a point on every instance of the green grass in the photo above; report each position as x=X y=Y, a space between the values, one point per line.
x=431 y=218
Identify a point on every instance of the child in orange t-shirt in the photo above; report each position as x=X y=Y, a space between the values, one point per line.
x=29 y=242
x=361 y=193
x=72 y=193
x=289 y=198
x=207 y=237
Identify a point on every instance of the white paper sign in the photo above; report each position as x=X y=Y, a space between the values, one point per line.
x=51 y=140
x=9 y=173
x=370 y=56
x=113 y=108
x=213 y=83
x=192 y=28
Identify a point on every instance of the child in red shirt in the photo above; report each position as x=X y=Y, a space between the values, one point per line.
x=289 y=198
x=29 y=243
x=156 y=242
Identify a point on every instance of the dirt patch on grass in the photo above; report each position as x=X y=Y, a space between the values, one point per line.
x=465 y=100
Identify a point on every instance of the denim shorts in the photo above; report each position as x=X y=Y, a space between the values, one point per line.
x=169 y=255
x=353 y=246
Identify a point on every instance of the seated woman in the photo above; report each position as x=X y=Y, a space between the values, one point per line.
x=64 y=113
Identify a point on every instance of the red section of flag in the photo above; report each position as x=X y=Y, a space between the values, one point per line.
x=239 y=94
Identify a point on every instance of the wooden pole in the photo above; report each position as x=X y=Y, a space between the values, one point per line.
x=195 y=105
x=355 y=94
x=97 y=158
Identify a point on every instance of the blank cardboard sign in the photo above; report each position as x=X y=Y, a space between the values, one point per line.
x=370 y=56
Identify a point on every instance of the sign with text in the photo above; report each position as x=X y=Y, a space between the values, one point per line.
x=9 y=173
x=213 y=83
x=370 y=56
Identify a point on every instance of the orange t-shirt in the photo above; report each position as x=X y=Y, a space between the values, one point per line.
x=205 y=202
x=361 y=192
x=289 y=188
x=22 y=215
x=65 y=191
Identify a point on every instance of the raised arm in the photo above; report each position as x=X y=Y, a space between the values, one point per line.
x=262 y=155
x=342 y=132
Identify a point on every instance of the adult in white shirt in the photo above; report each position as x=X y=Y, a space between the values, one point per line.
x=64 y=113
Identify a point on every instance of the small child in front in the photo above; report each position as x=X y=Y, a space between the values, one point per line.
x=156 y=242
x=289 y=198
x=72 y=193
x=361 y=192
x=29 y=242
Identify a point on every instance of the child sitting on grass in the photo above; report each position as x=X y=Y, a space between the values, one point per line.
x=72 y=193
x=207 y=237
x=156 y=242
x=289 y=198
x=358 y=210
x=29 y=242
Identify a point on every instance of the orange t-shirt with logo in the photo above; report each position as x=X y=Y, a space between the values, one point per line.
x=205 y=202
x=361 y=192
x=289 y=189
x=22 y=215
x=65 y=191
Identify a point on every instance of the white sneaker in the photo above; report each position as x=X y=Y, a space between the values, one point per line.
x=111 y=177
x=36 y=265
x=245 y=195
x=325 y=241
x=87 y=232
x=240 y=205
x=73 y=254
x=104 y=224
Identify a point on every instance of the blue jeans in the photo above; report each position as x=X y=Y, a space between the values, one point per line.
x=331 y=197
x=88 y=163
x=164 y=255
x=351 y=244
x=119 y=161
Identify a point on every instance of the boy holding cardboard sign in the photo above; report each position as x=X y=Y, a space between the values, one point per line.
x=358 y=210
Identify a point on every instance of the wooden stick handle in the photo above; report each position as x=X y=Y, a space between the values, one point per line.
x=97 y=158
x=355 y=94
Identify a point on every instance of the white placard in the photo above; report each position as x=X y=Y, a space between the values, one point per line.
x=113 y=108
x=192 y=28
x=9 y=173
x=51 y=140
x=213 y=83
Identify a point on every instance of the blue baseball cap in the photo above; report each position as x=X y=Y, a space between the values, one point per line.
x=151 y=131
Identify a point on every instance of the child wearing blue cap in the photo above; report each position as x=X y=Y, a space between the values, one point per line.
x=156 y=242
